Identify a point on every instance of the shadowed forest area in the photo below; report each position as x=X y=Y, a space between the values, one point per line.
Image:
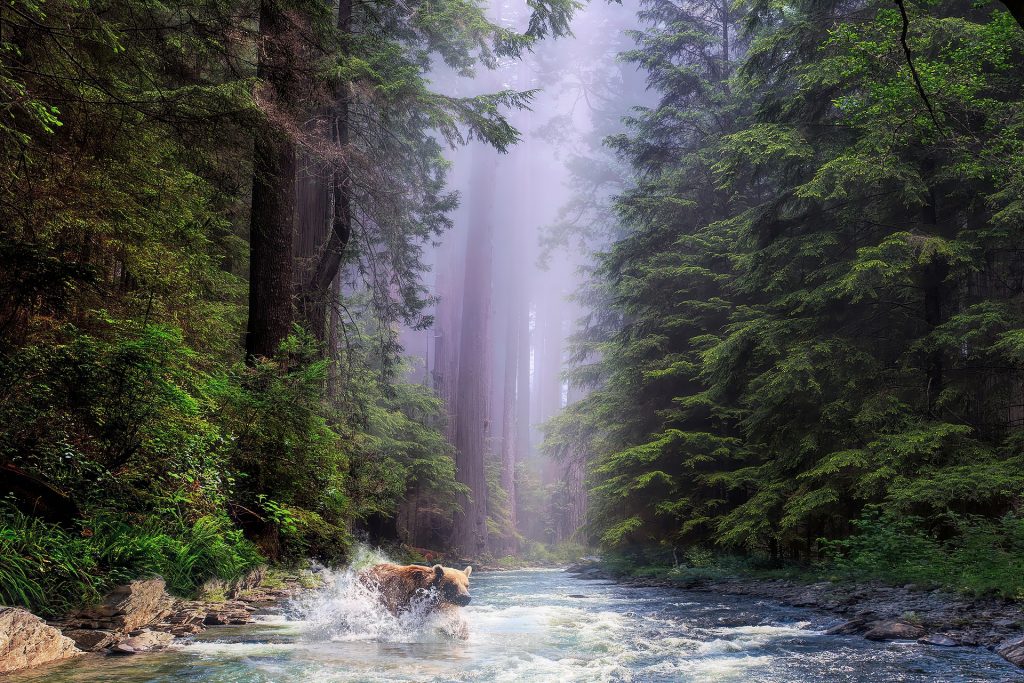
x=702 y=285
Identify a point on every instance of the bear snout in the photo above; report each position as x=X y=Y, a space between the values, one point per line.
x=462 y=600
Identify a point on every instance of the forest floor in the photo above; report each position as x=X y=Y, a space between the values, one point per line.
x=872 y=609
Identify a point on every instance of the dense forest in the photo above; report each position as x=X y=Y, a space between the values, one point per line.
x=805 y=342
x=214 y=221
x=276 y=276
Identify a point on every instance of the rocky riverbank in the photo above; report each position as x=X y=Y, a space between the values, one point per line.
x=141 y=617
x=876 y=611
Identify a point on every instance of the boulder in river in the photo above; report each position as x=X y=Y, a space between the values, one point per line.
x=893 y=630
x=128 y=607
x=1012 y=650
x=26 y=640
x=938 y=640
x=147 y=641
x=848 y=628
x=91 y=640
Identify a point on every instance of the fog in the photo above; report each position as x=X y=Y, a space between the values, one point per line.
x=505 y=278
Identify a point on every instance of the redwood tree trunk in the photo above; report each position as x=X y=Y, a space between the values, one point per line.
x=509 y=431
x=272 y=217
x=470 y=523
x=327 y=264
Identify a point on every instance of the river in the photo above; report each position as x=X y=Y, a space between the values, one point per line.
x=541 y=625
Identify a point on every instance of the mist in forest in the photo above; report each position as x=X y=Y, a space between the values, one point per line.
x=507 y=277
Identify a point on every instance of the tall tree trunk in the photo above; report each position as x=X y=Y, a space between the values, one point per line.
x=576 y=495
x=935 y=291
x=509 y=430
x=469 y=533
x=273 y=204
x=327 y=265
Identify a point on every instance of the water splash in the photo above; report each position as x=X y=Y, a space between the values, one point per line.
x=347 y=609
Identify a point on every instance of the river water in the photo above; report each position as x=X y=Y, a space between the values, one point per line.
x=540 y=625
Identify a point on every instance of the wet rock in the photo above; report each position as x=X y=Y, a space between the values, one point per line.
x=1012 y=650
x=26 y=640
x=92 y=640
x=148 y=641
x=893 y=630
x=122 y=649
x=127 y=608
x=937 y=639
x=848 y=628
x=808 y=598
x=233 y=612
x=187 y=619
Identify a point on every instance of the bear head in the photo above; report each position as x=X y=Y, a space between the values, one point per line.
x=452 y=584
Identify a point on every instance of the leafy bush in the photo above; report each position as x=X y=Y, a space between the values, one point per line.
x=49 y=569
x=975 y=555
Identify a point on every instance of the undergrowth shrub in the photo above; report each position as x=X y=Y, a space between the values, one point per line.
x=967 y=554
x=49 y=569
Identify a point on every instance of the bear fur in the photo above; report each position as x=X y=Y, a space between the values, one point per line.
x=398 y=585
x=445 y=590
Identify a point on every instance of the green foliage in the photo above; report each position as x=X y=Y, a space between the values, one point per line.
x=971 y=554
x=812 y=306
x=126 y=166
x=50 y=569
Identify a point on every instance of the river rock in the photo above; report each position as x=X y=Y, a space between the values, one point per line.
x=938 y=640
x=187 y=619
x=848 y=628
x=808 y=598
x=26 y=640
x=893 y=630
x=148 y=641
x=249 y=582
x=128 y=607
x=1012 y=650
x=92 y=640
x=231 y=612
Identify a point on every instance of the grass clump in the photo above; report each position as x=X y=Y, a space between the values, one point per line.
x=50 y=569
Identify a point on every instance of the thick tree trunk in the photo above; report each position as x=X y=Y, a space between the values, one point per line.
x=327 y=264
x=314 y=211
x=469 y=534
x=272 y=217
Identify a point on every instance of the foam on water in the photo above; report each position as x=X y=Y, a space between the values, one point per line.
x=347 y=609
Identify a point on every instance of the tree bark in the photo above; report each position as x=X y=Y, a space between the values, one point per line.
x=509 y=429
x=469 y=534
x=272 y=216
x=325 y=270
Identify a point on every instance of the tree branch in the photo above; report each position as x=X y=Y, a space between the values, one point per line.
x=910 y=63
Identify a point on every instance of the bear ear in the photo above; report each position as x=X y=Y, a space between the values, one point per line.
x=469 y=570
x=438 y=571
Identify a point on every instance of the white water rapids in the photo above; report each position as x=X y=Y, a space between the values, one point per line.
x=539 y=625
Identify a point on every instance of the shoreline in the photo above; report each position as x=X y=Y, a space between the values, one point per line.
x=872 y=609
x=140 y=617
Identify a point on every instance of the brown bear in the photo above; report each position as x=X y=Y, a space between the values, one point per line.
x=442 y=589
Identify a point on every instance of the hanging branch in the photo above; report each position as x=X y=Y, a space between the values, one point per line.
x=910 y=63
